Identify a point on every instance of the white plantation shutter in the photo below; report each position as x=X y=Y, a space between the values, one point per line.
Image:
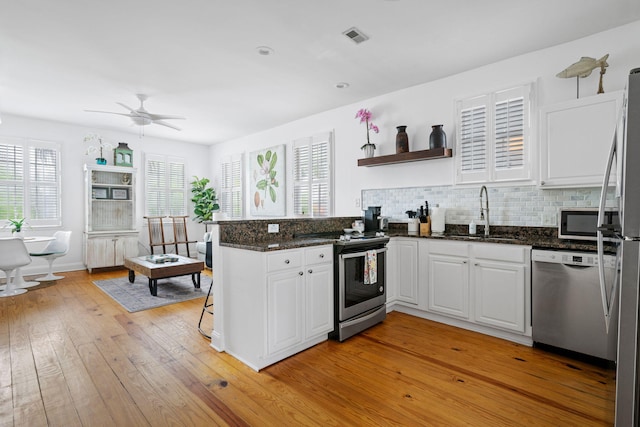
x=30 y=181
x=231 y=187
x=492 y=136
x=165 y=185
x=312 y=176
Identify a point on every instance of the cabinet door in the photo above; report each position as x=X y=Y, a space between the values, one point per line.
x=125 y=247
x=392 y=270
x=566 y=129
x=449 y=285
x=407 y=271
x=284 y=310
x=319 y=300
x=500 y=295
x=100 y=252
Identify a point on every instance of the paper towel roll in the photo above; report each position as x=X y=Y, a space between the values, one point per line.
x=437 y=219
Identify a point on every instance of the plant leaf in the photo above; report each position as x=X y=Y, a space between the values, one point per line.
x=272 y=194
x=260 y=159
x=262 y=184
x=274 y=160
x=268 y=155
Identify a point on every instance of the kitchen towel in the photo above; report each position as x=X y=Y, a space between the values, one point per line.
x=371 y=268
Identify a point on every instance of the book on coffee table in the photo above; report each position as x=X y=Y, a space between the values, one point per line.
x=161 y=259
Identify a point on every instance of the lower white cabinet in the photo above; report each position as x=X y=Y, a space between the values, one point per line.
x=276 y=303
x=109 y=250
x=448 y=282
x=402 y=277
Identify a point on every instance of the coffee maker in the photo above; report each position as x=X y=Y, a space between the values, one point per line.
x=371 y=218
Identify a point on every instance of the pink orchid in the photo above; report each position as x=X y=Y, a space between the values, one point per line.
x=365 y=115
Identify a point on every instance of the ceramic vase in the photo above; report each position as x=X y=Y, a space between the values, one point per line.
x=437 y=139
x=369 y=150
x=402 y=140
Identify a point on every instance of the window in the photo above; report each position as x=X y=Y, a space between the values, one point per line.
x=30 y=181
x=493 y=134
x=312 y=176
x=231 y=202
x=165 y=186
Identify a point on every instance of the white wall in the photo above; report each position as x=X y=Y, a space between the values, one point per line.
x=73 y=148
x=421 y=106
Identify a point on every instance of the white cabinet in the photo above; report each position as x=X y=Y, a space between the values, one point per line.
x=500 y=280
x=402 y=276
x=575 y=138
x=110 y=233
x=276 y=303
x=448 y=283
x=106 y=250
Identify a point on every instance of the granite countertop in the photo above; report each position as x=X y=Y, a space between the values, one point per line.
x=536 y=237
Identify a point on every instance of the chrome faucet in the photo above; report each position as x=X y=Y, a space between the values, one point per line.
x=485 y=209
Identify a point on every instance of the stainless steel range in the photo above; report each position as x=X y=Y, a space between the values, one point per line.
x=360 y=296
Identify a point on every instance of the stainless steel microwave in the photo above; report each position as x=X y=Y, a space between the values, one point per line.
x=582 y=223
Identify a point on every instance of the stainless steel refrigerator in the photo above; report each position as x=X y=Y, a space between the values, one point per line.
x=621 y=186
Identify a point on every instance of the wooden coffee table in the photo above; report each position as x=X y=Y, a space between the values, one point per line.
x=182 y=267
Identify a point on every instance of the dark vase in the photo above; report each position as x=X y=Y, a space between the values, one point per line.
x=402 y=140
x=437 y=139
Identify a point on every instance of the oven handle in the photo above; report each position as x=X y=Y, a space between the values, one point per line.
x=359 y=254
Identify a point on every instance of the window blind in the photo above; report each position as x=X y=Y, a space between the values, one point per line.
x=312 y=172
x=492 y=133
x=231 y=187
x=165 y=185
x=30 y=181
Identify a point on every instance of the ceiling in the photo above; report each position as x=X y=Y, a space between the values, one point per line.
x=198 y=58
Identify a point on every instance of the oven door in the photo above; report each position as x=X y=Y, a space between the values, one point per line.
x=354 y=296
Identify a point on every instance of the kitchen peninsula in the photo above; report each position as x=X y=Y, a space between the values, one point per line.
x=437 y=277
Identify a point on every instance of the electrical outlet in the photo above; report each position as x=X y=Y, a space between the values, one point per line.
x=273 y=228
x=357 y=202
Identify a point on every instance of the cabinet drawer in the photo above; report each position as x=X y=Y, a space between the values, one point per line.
x=460 y=249
x=318 y=255
x=284 y=260
x=500 y=252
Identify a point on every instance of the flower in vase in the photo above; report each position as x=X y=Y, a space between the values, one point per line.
x=365 y=116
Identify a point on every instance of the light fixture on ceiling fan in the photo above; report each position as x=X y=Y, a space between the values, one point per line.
x=142 y=117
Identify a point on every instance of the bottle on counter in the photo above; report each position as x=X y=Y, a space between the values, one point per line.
x=437 y=219
x=472 y=227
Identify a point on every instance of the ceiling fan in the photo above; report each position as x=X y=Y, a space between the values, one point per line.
x=142 y=117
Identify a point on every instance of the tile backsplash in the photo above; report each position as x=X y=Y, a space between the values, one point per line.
x=512 y=206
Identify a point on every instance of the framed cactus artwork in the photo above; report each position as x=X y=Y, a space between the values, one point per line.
x=267 y=181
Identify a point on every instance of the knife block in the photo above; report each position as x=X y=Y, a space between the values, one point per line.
x=425 y=227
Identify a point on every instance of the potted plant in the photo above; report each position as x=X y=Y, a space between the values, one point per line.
x=101 y=146
x=204 y=199
x=16 y=225
x=365 y=115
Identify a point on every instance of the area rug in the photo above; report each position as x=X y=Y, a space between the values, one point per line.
x=136 y=296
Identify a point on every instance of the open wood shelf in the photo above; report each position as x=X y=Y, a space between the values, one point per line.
x=413 y=156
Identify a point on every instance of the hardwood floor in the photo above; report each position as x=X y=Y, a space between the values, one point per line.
x=71 y=356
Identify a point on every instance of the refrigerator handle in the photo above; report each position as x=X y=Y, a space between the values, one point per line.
x=602 y=227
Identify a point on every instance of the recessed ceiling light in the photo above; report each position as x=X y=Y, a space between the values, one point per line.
x=264 y=50
x=342 y=85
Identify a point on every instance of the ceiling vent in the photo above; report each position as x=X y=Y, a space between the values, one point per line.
x=356 y=35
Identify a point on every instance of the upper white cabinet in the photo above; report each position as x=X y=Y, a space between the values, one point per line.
x=110 y=233
x=575 y=138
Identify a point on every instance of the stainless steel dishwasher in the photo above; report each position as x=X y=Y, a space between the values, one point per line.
x=566 y=303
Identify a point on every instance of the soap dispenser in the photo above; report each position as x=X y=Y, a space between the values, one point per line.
x=472 y=227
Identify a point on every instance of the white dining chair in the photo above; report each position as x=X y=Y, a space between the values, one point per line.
x=13 y=254
x=54 y=249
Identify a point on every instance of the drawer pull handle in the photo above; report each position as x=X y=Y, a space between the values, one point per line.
x=300 y=273
x=321 y=255
x=310 y=271
x=286 y=261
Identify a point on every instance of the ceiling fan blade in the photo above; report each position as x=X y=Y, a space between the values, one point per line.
x=128 y=108
x=169 y=125
x=164 y=117
x=108 y=112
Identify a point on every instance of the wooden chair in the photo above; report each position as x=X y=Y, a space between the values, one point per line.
x=180 y=233
x=156 y=233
